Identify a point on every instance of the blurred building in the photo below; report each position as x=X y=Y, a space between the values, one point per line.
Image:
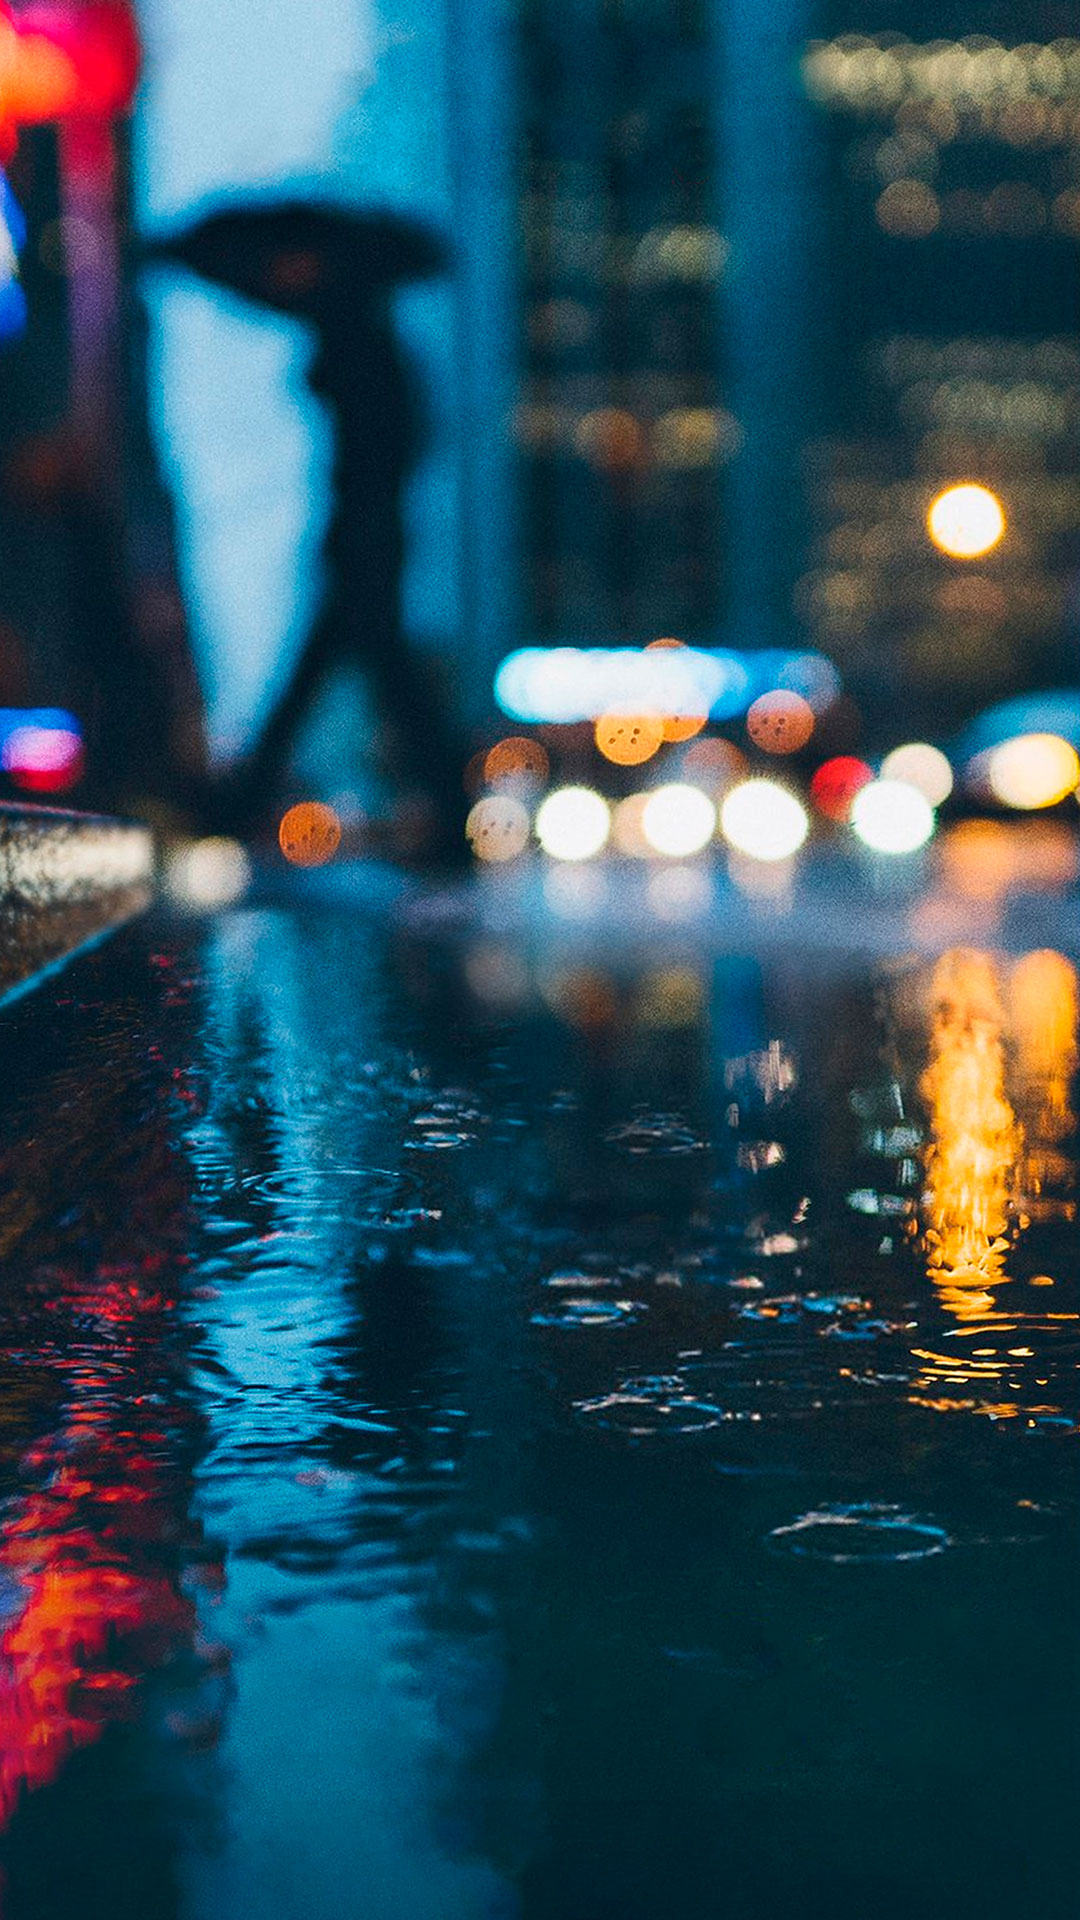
x=620 y=425
x=951 y=350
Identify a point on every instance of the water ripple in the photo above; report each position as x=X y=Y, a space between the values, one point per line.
x=590 y=1312
x=867 y=1532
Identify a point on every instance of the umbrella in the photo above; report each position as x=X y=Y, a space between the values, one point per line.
x=303 y=257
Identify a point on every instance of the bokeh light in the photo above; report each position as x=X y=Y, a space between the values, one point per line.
x=627 y=832
x=309 y=834
x=835 y=784
x=679 y=894
x=672 y=996
x=780 y=721
x=582 y=996
x=715 y=765
x=497 y=975
x=563 y=685
x=966 y=521
x=678 y=820
x=13 y=310
x=208 y=873
x=627 y=740
x=680 y=726
x=42 y=759
x=683 y=726
x=923 y=766
x=575 y=891
x=474 y=778
x=497 y=828
x=768 y=883
x=609 y=438
x=763 y=819
x=908 y=210
x=1032 y=770
x=573 y=823
x=889 y=816
x=516 y=759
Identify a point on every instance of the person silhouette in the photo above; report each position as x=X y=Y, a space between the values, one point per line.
x=338 y=271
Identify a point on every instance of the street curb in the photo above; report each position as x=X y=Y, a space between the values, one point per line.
x=65 y=879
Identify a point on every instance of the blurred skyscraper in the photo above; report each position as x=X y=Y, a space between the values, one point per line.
x=952 y=348
x=620 y=423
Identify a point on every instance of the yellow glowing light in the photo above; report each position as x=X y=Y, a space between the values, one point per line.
x=1033 y=770
x=1045 y=1006
x=573 y=823
x=889 y=816
x=309 y=834
x=629 y=739
x=610 y=438
x=683 y=726
x=763 y=819
x=1044 y=1001
x=497 y=828
x=973 y=1136
x=966 y=521
x=922 y=766
x=678 y=820
x=780 y=722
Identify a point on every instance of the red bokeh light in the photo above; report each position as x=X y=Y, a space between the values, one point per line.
x=835 y=784
x=58 y=59
x=43 y=759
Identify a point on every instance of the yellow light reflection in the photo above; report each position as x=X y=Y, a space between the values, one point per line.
x=974 y=1138
x=1043 y=1003
x=1033 y=770
x=966 y=521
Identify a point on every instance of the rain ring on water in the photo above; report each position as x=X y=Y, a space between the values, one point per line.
x=651 y=1404
x=317 y=1189
x=870 y=1531
x=589 y=1312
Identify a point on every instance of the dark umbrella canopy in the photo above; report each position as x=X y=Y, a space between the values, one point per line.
x=303 y=257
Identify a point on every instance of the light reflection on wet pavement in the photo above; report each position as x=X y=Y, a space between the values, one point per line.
x=599 y=1447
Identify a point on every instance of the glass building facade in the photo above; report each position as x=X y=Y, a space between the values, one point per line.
x=952 y=350
x=620 y=425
